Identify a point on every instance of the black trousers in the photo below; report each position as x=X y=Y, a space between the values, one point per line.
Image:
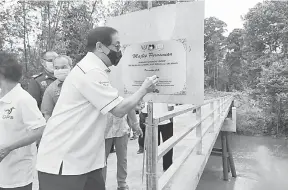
x=142 y=118
x=27 y=187
x=91 y=181
x=167 y=131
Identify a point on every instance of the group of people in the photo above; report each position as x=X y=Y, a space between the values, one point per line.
x=73 y=115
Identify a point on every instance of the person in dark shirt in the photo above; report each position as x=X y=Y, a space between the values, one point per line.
x=62 y=66
x=41 y=81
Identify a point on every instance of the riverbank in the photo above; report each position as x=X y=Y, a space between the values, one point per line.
x=251 y=119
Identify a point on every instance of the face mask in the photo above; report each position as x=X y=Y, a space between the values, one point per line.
x=49 y=67
x=114 y=57
x=61 y=74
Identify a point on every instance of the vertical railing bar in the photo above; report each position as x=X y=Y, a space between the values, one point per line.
x=199 y=130
x=212 y=116
x=152 y=151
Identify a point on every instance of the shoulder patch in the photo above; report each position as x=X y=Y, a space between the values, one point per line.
x=37 y=75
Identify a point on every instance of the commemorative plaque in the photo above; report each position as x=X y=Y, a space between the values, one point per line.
x=165 y=59
x=166 y=41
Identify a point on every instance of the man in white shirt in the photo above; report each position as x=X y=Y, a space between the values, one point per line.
x=165 y=128
x=71 y=154
x=21 y=124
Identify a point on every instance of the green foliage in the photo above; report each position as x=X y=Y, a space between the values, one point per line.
x=74 y=36
x=214 y=40
x=252 y=60
x=257 y=60
x=266 y=26
x=234 y=59
x=272 y=91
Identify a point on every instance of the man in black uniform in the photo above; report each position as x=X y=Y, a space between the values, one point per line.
x=41 y=81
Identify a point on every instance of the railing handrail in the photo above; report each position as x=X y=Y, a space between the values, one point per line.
x=221 y=109
x=169 y=144
x=155 y=152
x=186 y=108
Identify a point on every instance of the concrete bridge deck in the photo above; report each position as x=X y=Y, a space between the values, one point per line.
x=135 y=160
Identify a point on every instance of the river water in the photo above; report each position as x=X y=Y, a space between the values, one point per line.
x=261 y=164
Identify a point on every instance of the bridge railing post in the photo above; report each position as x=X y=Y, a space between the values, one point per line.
x=234 y=116
x=219 y=108
x=199 y=130
x=152 y=151
x=212 y=107
x=222 y=106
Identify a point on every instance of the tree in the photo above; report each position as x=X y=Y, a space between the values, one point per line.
x=123 y=7
x=266 y=27
x=234 y=59
x=18 y=26
x=214 y=40
x=265 y=59
x=76 y=24
x=272 y=92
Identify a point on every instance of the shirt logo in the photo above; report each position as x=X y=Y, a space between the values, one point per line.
x=8 y=113
x=104 y=83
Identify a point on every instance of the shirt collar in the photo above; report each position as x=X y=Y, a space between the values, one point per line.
x=93 y=58
x=11 y=94
x=49 y=75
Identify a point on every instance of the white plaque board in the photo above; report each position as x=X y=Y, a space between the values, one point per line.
x=167 y=41
x=155 y=58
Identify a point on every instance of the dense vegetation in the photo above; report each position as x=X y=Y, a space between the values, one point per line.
x=250 y=61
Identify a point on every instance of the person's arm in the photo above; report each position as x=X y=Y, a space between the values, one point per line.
x=131 y=102
x=97 y=90
x=133 y=122
x=34 y=90
x=33 y=122
x=140 y=105
x=47 y=104
x=128 y=103
x=31 y=137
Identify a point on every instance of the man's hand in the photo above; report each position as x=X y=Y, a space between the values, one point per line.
x=4 y=151
x=149 y=84
x=138 y=131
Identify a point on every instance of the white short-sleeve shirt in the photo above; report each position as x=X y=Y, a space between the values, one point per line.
x=74 y=135
x=18 y=115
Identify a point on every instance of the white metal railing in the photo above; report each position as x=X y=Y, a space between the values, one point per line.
x=217 y=110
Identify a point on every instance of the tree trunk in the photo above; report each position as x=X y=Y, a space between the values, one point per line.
x=279 y=116
x=217 y=77
x=214 y=76
x=93 y=8
x=56 y=24
x=49 y=26
x=28 y=44
x=24 y=36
